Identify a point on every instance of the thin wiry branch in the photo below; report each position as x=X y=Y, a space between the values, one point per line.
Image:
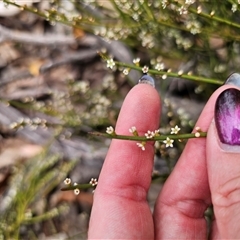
x=37 y=39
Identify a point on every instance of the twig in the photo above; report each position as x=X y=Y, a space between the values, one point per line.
x=143 y=138
x=80 y=56
x=171 y=74
x=24 y=37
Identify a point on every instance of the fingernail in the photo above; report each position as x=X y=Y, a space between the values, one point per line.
x=233 y=79
x=147 y=79
x=227 y=116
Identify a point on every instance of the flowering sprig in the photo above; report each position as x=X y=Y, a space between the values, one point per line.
x=160 y=71
x=32 y=123
x=214 y=18
x=152 y=135
x=164 y=73
x=169 y=73
x=168 y=140
x=78 y=187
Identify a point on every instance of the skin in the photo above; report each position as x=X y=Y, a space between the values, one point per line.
x=207 y=173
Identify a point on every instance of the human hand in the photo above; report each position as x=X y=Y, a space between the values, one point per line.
x=206 y=173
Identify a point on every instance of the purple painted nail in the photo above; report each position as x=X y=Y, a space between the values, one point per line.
x=227 y=116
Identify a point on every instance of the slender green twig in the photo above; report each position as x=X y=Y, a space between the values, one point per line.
x=173 y=74
x=120 y=12
x=215 y=18
x=166 y=73
x=51 y=15
x=47 y=215
x=78 y=186
x=146 y=8
x=143 y=138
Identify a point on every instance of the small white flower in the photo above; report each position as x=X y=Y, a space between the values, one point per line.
x=197 y=128
x=141 y=145
x=180 y=72
x=135 y=16
x=199 y=9
x=197 y=134
x=145 y=69
x=175 y=130
x=126 y=71
x=182 y=10
x=67 y=181
x=189 y=2
x=76 y=191
x=13 y=125
x=149 y=134
x=110 y=130
x=212 y=13
x=234 y=8
x=157 y=132
x=168 y=142
x=136 y=60
x=194 y=26
x=164 y=4
x=110 y=63
x=93 y=182
x=159 y=66
x=164 y=76
x=132 y=129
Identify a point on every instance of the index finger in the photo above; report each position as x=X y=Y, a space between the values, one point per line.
x=120 y=209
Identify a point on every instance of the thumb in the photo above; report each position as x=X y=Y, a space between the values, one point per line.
x=223 y=161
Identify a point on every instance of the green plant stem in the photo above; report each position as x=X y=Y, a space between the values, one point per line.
x=49 y=18
x=25 y=7
x=172 y=74
x=116 y=7
x=144 y=139
x=48 y=215
x=77 y=186
x=215 y=18
x=146 y=8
